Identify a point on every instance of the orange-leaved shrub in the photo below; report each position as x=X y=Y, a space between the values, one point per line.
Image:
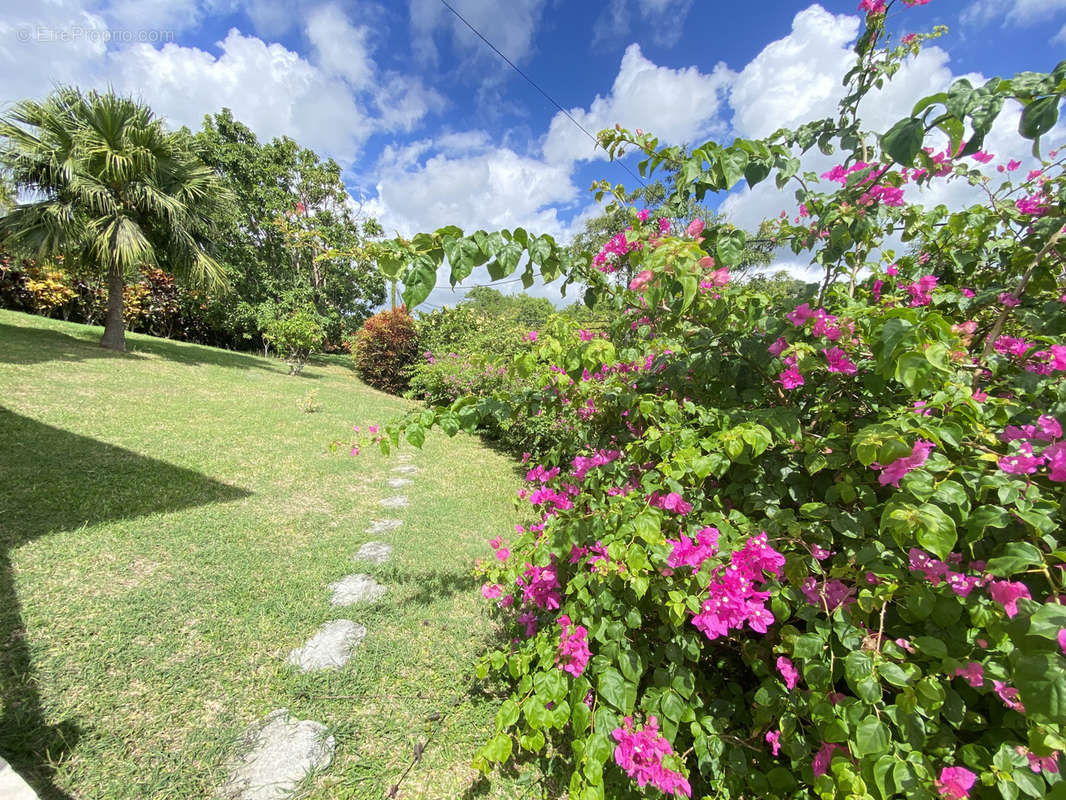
x=384 y=349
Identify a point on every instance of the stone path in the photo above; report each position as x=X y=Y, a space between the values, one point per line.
x=330 y=647
x=374 y=552
x=384 y=525
x=276 y=753
x=353 y=589
x=12 y=787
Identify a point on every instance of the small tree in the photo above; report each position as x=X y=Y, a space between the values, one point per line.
x=295 y=337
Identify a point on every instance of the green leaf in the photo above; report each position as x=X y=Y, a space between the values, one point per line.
x=613 y=688
x=498 y=748
x=936 y=530
x=871 y=737
x=1041 y=682
x=1039 y=117
x=904 y=140
x=416 y=435
x=1017 y=557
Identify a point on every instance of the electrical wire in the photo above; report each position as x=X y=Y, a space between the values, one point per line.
x=534 y=84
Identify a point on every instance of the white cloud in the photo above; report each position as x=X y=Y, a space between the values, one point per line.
x=1015 y=12
x=662 y=20
x=796 y=78
x=341 y=47
x=510 y=28
x=677 y=105
x=332 y=100
x=472 y=187
x=1060 y=37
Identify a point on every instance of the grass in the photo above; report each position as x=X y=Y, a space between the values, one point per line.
x=169 y=522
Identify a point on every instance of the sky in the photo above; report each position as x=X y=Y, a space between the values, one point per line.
x=431 y=127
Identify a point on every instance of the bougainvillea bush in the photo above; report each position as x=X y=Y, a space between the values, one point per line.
x=800 y=551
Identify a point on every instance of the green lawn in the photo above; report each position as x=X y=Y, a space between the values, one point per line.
x=169 y=521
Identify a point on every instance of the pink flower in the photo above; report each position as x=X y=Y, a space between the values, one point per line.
x=695 y=228
x=643 y=215
x=503 y=554
x=839 y=361
x=1062 y=640
x=490 y=591
x=920 y=291
x=574 y=651
x=967 y=292
x=1021 y=463
x=1009 y=696
x=892 y=270
x=531 y=336
x=982 y=156
x=1013 y=165
x=641 y=752
x=824 y=757
x=495 y=543
x=910 y=37
x=820 y=553
x=913 y=3
x=872 y=6
x=1044 y=764
x=788 y=672
x=1009 y=300
x=894 y=472
x=800 y=314
x=955 y=783
x=790 y=378
x=774 y=738
x=687 y=553
x=1007 y=594
x=643 y=279
x=671 y=502
x=778 y=347
x=973 y=673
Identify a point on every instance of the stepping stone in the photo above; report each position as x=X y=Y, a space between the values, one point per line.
x=12 y=787
x=398 y=483
x=406 y=469
x=399 y=501
x=384 y=525
x=355 y=589
x=331 y=646
x=276 y=754
x=374 y=552
x=403 y=457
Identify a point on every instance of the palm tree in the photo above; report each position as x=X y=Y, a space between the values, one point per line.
x=110 y=187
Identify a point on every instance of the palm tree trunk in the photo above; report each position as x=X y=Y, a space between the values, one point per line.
x=114 y=325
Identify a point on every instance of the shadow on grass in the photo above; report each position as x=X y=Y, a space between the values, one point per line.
x=35 y=344
x=50 y=481
x=435 y=585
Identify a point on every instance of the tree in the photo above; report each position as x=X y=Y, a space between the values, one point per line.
x=292 y=239
x=112 y=190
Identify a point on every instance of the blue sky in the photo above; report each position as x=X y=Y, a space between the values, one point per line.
x=433 y=128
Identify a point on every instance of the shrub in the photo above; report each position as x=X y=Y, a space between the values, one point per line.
x=800 y=550
x=385 y=348
x=295 y=337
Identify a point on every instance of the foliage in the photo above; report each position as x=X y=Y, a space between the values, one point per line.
x=807 y=549
x=118 y=191
x=385 y=348
x=295 y=336
x=290 y=239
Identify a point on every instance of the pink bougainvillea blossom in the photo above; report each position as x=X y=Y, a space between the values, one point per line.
x=1062 y=641
x=872 y=7
x=1040 y=764
x=733 y=598
x=695 y=228
x=774 y=740
x=692 y=554
x=1009 y=696
x=574 y=651
x=669 y=502
x=540 y=587
x=973 y=673
x=490 y=591
x=839 y=361
x=778 y=346
x=790 y=378
x=641 y=752
x=1007 y=594
x=955 y=783
x=827 y=595
x=824 y=757
x=894 y=472
x=644 y=277
x=789 y=673
x=921 y=289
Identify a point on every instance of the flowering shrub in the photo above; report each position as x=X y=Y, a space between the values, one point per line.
x=803 y=550
x=385 y=348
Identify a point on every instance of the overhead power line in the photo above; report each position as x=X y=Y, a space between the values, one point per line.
x=536 y=86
